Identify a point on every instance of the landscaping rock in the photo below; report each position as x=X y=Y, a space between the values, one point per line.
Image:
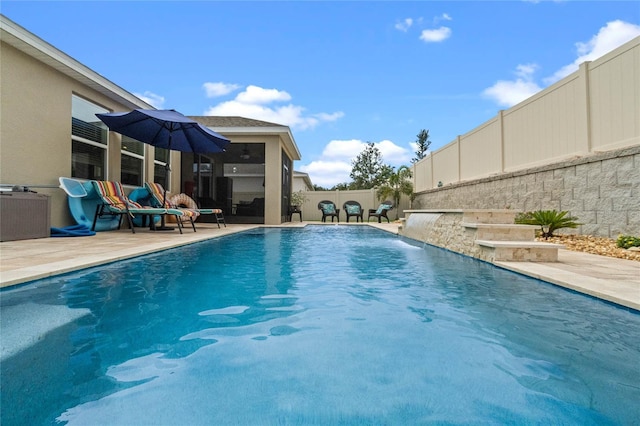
x=594 y=245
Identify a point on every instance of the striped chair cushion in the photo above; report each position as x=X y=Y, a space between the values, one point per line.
x=111 y=193
x=210 y=211
x=157 y=194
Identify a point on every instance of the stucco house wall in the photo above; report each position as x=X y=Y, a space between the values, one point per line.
x=37 y=84
x=35 y=126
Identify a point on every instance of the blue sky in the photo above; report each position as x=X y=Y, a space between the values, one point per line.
x=339 y=73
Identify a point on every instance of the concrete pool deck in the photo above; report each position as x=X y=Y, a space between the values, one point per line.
x=614 y=280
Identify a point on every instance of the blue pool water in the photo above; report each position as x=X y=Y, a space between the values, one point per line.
x=322 y=325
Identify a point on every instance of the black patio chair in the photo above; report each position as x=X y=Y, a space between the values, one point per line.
x=381 y=211
x=329 y=209
x=353 y=209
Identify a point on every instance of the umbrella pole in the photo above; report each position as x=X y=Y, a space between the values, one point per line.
x=163 y=227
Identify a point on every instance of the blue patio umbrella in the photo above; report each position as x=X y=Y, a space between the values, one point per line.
x=165 y=129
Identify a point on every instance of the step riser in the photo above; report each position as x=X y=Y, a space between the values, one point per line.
x=505 y=234
x=526 y=254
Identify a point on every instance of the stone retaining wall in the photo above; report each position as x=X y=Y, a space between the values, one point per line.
x=601 y=190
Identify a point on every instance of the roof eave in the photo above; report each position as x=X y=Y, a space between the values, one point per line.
x=283 y=131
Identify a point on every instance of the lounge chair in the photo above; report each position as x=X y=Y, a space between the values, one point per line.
x=381 y=211
x=115 y=202
x=182 y=202
x=329 y=209
x=353 y=209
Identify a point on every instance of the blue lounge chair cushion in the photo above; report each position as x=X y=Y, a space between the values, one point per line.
x=328 y=208
x=353 y=209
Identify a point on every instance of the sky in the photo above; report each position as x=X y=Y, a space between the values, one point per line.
x=340 y=74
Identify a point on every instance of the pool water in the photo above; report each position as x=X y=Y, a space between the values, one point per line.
x=321 y=325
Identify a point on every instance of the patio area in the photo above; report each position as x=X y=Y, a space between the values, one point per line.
x=614 y=280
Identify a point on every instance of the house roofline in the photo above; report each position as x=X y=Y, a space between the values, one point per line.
x=283 y=131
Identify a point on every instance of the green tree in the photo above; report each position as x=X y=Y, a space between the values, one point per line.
x=368 y=170
x=341 y=186
x=423 y=143
x=397 y=185
x=319 y=188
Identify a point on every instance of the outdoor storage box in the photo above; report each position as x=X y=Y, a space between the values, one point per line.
x=24 y=215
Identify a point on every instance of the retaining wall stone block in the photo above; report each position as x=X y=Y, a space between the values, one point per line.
x=601 y=205
x=564 y=172
x=607 y=182
x=544 y=176
x=595 y=229
x=553 y=185
x=620 y=163
x=572 y=206
x=609 y=178
x=612 y=218
x=631 y=176
x=588 y=195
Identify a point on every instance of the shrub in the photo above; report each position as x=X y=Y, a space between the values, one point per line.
x=548 y=220
x=626 y=241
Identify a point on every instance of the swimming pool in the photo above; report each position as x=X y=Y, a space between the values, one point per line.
x=321 y=325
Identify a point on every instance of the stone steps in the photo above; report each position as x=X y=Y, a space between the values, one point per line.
x=520 y=251
x=502 y=232
x=490 y=235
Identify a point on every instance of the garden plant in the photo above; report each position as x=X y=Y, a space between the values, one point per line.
x=548 y=220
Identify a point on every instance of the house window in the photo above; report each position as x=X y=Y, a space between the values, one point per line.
x=160 y=170
x=132 y=161
x=88 y=140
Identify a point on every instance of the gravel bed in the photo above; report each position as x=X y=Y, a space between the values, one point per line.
x=593 y=245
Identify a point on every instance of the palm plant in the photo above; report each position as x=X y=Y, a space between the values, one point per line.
x=397 y=184
x=548 y=220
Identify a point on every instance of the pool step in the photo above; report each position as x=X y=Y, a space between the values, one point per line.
x=497 y=217
x=519 y=251
x=502 y=232
x=490 y=235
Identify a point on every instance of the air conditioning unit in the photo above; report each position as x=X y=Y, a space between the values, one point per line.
x=24 y=215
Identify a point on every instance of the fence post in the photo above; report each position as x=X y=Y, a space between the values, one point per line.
x=501 y=136
x=583 y=71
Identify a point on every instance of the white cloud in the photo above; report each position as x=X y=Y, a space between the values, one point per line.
x=343 y=149
x=612 y=35
x=254 y=102
x=327 y=173
x=334 y=165
x=393 y=154
x=258 y=95
x=213 y=90
x=435 y=36
x=443 y=17
x=151 y=98
x=404 y=25
x=510 y=92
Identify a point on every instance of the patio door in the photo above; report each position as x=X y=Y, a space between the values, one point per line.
x=203 y=179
